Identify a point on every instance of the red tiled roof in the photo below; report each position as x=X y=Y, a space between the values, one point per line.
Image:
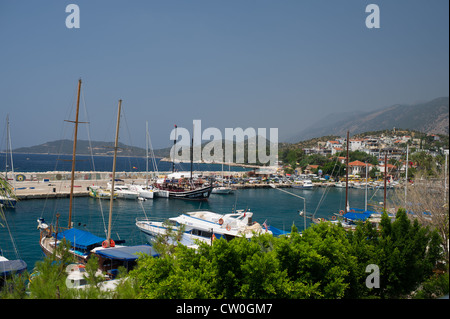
x=358 y=163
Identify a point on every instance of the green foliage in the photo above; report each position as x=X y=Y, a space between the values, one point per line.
x=48 y=280
x=406 y=254
x=324 y=262
x=436 y=286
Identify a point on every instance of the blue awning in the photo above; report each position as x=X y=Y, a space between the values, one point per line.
x=357 y=216
x=80 y=239
x=277 y=232
x=126 y=253
x=8 y=267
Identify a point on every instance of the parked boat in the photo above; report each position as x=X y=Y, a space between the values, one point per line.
x=84 y=244
x=10 y=268
x=146 y=192
x=306 y=184
x=7 y=199
x=350 y=219
x=123 y=191
x=184 y=187
x=98 y=192
x=190 y=192
x=206 y=226
x=221 y=190
x=339 y=184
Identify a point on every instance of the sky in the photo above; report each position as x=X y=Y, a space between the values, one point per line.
x=237 y=63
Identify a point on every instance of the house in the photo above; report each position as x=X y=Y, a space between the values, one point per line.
x=336 y=150
x=390 y=168
x=356 y=144
x=310 y=169
x=358 y=168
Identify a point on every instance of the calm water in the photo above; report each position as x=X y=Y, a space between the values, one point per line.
x=280 y=210
x=48 y=162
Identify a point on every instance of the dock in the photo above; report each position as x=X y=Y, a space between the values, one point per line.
x=53 y=189
x=43 y=185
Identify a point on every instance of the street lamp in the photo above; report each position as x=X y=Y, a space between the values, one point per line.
x=304 y=202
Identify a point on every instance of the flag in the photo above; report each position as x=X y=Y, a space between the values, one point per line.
x=265 y=225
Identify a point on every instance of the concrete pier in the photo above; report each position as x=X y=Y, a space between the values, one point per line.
x=57 y=184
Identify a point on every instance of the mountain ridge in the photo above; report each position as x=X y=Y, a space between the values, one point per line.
x=427 y=117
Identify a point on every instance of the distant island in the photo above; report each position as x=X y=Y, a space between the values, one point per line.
x=96 y=148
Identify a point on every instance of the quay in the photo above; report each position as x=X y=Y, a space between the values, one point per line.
x=45 y=185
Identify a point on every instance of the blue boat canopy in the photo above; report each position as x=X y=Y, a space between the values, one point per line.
x=358 y=216
x=8 y=267
x=80 y=239
x=277 y=232
x=126 y=253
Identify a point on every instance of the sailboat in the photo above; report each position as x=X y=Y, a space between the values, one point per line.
x=111 y=256
x=146 y=191
x=222 y=189
x=6 y=200
x=183 y=188
x=50 y=236
x=84 y=244
x=351 y=216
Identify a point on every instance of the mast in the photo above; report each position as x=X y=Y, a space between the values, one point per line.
x=72 y=180
x=192 y=150
x=385 y=176
x=9 y=152
x=406 y=172
x=346 y=177
x=116 y=143
x=174 y=144
x=146 y=153
x=365 y=193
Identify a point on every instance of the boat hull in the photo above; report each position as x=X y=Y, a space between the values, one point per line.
x=201 y=193
x=221 y=190
x=8 y=202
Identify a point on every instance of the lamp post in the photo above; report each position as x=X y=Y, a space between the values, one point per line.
x=304 y=202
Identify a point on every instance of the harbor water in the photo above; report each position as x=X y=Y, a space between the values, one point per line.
x=19 y=237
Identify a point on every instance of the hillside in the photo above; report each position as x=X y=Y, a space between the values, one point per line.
x=428 y=117
x=84 y=148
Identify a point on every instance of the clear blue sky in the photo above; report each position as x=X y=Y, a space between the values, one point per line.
x=233 y=63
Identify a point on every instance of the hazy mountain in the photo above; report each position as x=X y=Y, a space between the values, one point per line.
x=84 y=148
x=107 y=148
x=427 y=117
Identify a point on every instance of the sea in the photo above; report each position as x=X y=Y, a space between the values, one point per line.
x=19 y=236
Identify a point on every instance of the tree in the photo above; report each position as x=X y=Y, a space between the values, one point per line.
x=49 y=277
x=406 y=254
x=427 y=201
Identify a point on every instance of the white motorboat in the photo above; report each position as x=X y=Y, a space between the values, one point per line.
x=306 y=184
x=123 y=192
x=221 y=190
x=205 y=226
x=147 y=192
x=77 y=278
